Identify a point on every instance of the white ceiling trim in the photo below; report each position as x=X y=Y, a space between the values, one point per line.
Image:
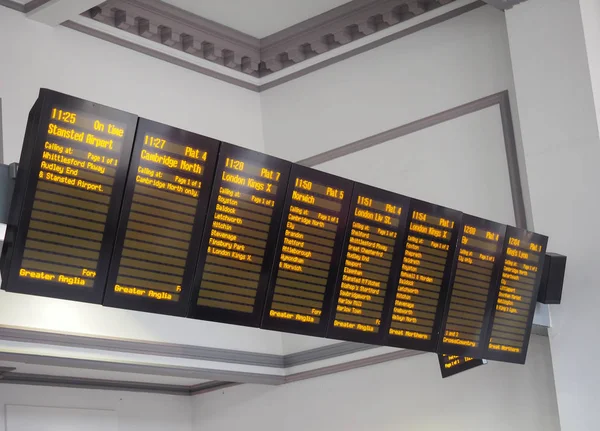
x=371 y=41
x=46 y=370
x=231 y=75
x=329 y=362
x=173 y=35
x=12 y=377
x=163 y=52
x=181 y=30
x=100 y=360
x=128 y=359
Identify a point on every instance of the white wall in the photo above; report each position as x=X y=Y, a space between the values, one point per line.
x=406 y=394
x=439 y=68
x=34 y=55
x=562 y=149
x=132 y=411
x=460 y=164
x=30 y=418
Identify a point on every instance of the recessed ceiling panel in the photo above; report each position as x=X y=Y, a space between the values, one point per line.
x=258 y=18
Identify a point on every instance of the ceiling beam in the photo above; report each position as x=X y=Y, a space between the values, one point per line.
x=8 y=376
x=55 y=12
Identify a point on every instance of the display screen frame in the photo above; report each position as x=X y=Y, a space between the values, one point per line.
x=395 y=264
x=460 y=367
x=414 y=343
x=22 y=178
x=27 y=185
x=518 y=358
x=230 y=316
x=212 y=146
x=467 y=351
x=299 y=327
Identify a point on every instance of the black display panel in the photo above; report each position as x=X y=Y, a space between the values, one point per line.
x=244 y=217
x=473 y=288
x=453 y=364
x=179 y=222
x=415 y=318
x=308 y=252
x=523 y=260
x=370 y=264
x=162 y=220
x=68 y=195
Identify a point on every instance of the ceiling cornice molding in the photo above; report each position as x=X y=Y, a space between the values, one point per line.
x=181 y=30
x=15 y=378
x=175 y=36
x=162 y=52
x=198 y=353
x=344 y=11
x=171 y=34
x=368 y=43
x=337 y=27
x=14 y=5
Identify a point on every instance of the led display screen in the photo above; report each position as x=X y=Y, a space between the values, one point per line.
x=473 y=288
x=308 y=252
x=415 y=317
x=370 y=263
x=522 y=263
x=162 y=220
x=68 y=194
x=243 y=221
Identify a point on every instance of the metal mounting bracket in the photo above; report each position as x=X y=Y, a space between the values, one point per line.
x=8 y=175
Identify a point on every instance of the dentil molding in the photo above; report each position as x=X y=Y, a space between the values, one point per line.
x=180 y=30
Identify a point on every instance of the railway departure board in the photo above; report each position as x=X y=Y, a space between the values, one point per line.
x=162 y=220
x=474 y=287
x=67 y=198
x=523 y=260
x=453 y=364
x=415 y=317
x=243 y=221
x=129 y=213
x=308 y=252
x=370 y=262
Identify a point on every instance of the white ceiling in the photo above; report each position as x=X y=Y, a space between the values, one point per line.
x=258 y=18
